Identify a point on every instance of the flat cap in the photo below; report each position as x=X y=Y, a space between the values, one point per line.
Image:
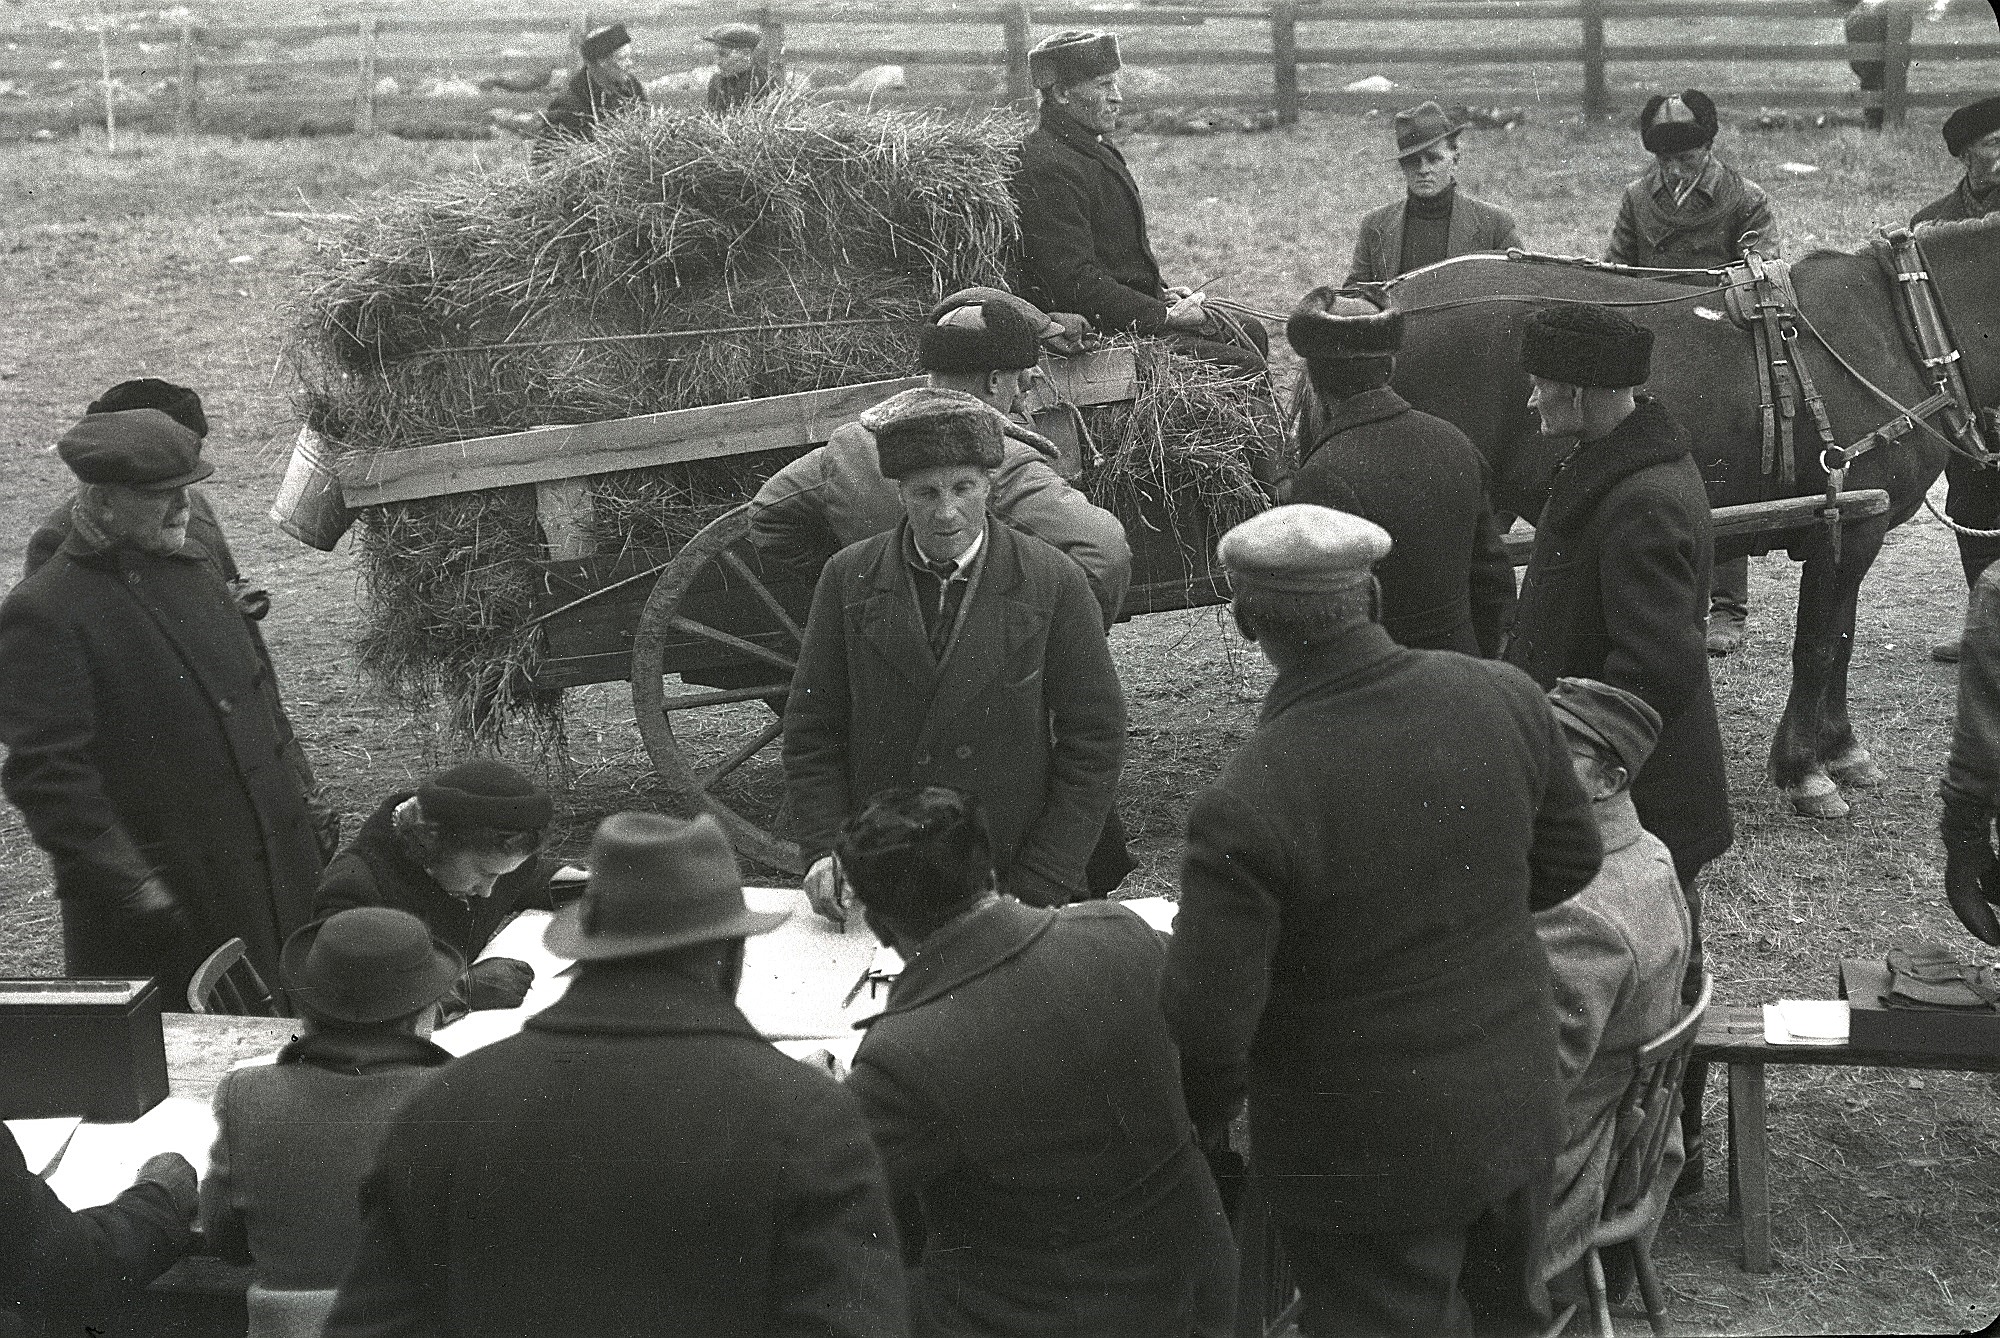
x=1970 y=124
x=1616 y=722
x=1329 y=324
x=1677 y=122
x=1583 y=344
x=1071 y=57
x=981 y=330
x=1302 y=549
x=601 y=42
x=926 y=427
x=150 y=392
x=741 y=35
x=139 y=448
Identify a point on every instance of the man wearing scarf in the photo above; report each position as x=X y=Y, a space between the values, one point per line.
x=1615 y=589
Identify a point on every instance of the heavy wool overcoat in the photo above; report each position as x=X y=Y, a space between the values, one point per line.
x=1955 y=206
x=636 y=1161
x=1447 y=583
x=1355 y=944
x=1617 y=590
x=1475 y=226
x=1024 y=711
x=1083 y=230
x=145 y=736
x=1026 y=1097
x=1702 y=233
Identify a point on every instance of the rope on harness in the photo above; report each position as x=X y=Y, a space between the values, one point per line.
x=1966 y=530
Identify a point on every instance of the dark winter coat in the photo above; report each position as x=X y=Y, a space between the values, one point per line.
x=638 y=1161
x=1355 y=943
x=727 y=92
x=1447 y=583
x=1025 y=709
x=1957 y=205
x=1026 y=1097
x=1703 y=232
x=585 y=100
x=1083 y=230
x=145 y=736
x=1617 y=590
x=1475 y=226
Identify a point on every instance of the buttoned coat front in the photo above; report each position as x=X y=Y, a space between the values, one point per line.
x=1475 y=226
x=145 y=736
x=1083 y=229
x=1024 y=710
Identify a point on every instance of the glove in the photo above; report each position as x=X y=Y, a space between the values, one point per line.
x=497 y=982
x=171 y=1172
x=252 y=601
x=1971 y=870
x=151 y=909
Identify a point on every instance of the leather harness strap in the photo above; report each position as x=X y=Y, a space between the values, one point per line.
x=1758 y=295
x=1936 y=350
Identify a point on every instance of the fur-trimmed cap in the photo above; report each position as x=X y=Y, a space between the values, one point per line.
x=927 y=427
x=1071 y=57
x=981 y=330
x=1301 y=549
x=1677 y=122
x=1970 y=124
x=1330 y=324
x=1581 y=344
x=601 y=42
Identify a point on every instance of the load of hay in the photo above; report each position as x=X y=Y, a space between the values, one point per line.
x=799 y=243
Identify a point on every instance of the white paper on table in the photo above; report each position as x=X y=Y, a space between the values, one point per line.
x=102 y=1159
x=1806 y=1022
x=521 y=939
x=1155 y=911
x=43 y=1141
x=797 y=978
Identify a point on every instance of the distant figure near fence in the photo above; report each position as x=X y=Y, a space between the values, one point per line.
x=744 y=71
x=604 y=87
x=1870 y=21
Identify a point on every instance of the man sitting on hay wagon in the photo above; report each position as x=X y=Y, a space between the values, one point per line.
x=955 y=651
x=604 y=87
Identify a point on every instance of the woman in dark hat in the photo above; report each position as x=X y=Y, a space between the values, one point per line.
x=604 y=87
x=1434 y=220
x=294 y=1138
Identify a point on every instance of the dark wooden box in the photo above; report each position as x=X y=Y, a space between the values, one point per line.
x=1913 y=1031
x=80 y=1047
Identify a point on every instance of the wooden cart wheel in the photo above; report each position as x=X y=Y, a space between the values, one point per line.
x=775 y=647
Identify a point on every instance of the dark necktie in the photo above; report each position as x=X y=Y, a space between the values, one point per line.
x=942 y=611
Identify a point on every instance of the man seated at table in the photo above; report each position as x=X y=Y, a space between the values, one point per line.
x=1616 y=953
x=294 y=1138
x=461 y=853
x=63 y=1272
x=1026 y=1097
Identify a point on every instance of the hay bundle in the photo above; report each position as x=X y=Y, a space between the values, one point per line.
x=829 y=229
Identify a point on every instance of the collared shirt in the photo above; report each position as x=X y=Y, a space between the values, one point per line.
x=1700 y=192
x=941 y=594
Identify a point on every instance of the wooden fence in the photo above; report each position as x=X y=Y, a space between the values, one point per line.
x=1294 y=37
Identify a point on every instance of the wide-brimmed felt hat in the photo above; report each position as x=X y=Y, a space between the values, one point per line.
x=137 y=448
x=1613 y=720
x=1071 y=57
x=368 y=964
x=1330 y=324
x=1301 y=549
x=739 y=36
x=928 y=427
x=601 y=42
x=1582 y=344
x=486 y=793
x=1419 y=127
x=656 y=883
x=150 y=392
x=1970 y=124
x=1677 y=122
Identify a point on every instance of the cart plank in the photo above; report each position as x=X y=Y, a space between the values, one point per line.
x=1753 y=518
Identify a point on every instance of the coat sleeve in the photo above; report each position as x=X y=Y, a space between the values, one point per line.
x=1566 y=851
x=1218 y=973
x=1491 y=582
x=1593 y=973
x=1058 y=248
x=1973 y=768
x=1361 y=266
x=1086 y=710
x=788 y=523
x=817 y=711
x=345 y=884
x=1655 y=609
x=48 y=722
x=917 y=1140
x=1624 y=248
x=1031 y=496
x=385 y=1292
x=836 y=1271
x=221 y=1212
x=46 y=539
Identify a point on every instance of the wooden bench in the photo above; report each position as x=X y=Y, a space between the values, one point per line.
x=1735 y=1036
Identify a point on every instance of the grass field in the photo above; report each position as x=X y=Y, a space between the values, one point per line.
x=1887 y=1186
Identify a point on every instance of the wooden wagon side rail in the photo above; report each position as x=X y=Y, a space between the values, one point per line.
x=1752 y=518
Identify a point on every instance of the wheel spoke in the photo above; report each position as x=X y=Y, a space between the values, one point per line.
x=694 y=700
x=682 y=623
x=764 y=595
x=741 y=755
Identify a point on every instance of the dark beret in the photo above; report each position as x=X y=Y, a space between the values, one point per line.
x=1612 y=720
x=1328 y=324
x=1071 y=57
x=485 y=793
x=149 y=392
x=990 y=337
x=1580 y=344
x=1970 y=124
x=1677 y=123
x=601 y=42
x=743 y=36
x=139 y=448
x=927 y=427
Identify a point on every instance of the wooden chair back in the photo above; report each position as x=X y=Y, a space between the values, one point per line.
x=228 y=983
x=1647 y=1115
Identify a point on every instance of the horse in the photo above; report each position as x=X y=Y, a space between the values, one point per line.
x=1459 y=361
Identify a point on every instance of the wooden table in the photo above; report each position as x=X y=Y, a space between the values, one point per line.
x=1735 y=1036
x=201 y=1047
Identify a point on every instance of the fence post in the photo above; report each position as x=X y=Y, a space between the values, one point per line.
x=364 y=79
x=773 y=43
x=1896 y=64
x=186 y=72
x=1014 y=26
x=1595 y=103
x=1285 y=59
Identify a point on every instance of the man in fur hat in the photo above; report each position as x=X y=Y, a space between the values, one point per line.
x=1434 y=220
x=1446 y=582
x=953 y=650
x=1616 y=588
x=1691 y=210
x=1355 y=950
x=604 y=86
x=1084 y=246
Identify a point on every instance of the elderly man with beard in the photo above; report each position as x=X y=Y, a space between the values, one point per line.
x=146 y=744
x=1434 y=220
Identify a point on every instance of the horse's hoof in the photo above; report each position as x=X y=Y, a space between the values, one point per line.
x=1857 y=770
x=1818 y=797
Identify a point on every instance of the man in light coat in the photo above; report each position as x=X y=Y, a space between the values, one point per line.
x=1616 y=953
x=1434 y=220
x=954 y=650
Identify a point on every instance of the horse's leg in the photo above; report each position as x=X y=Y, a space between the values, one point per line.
x=1814 y=726
x=1847 y=760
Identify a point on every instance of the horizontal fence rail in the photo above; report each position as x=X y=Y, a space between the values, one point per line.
x=373 y=56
